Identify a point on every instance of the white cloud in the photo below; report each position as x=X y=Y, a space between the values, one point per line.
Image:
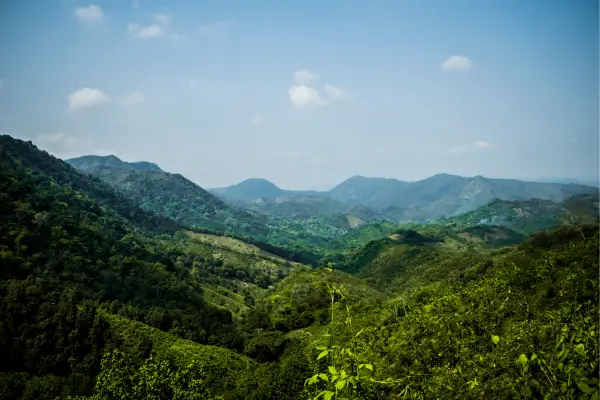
x=303 y=77
x=145 y=32
x=337 y=93
x=457 y=63
x=91 y=13
x=482 y=144
x=258 y=119
x=60 y=144
x=63 y=145
x=459 y=149
x=303 y=93
x=217 y=28
x=86 y=97
x=303 y=96
x=133 y=98
x=162 y=19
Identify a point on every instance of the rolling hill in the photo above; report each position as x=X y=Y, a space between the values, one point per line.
x=439 y=196
x=254 y=189
x=173 y=196
x=100 y=298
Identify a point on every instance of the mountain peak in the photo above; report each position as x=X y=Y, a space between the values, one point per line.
x=111 y=161
x=251 y=189
x=257 y=181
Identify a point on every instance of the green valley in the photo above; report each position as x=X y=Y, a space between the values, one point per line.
x=299 y=200
x=122 y=281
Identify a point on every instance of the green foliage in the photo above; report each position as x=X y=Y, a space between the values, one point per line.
x=121 y=379
x=101 y=300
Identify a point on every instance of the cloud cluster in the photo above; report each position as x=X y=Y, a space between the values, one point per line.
x=86 y=97
x=479 y=145
x=303 y=94
x=457 y=63
x=153 y=30
x=91 y=13
x=145 y=32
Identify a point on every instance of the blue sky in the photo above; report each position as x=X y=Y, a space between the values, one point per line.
x=307 y=94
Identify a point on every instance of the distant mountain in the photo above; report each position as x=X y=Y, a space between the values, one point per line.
x=373 y=192
x=258 y=188
x=171 y=195
x=145 y=166
x=529 y=216
x=583 y=181
x=88 y=162
x=190 y=206
x=439 y=196
x=304 y=206
x=445 y=195
x=250 y=190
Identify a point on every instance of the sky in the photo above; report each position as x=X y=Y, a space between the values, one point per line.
x=308 y=93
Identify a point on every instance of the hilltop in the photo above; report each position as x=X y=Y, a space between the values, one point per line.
x=439 y=196
x=90 y=162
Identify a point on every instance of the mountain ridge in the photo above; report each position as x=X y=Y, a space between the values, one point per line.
x=439 y=196
x=92 y=161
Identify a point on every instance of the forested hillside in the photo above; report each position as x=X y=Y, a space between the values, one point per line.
x=103 y=299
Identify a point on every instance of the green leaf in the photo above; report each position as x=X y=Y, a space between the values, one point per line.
x=580 y=349
x=313 y=379
x=328 y=395
x=340 y=385
x=522 y=359
x=321 y=348
x=324 y=377
x=332 y=370
x=322 y=354
x=369 y=367
x=495 y=339
x=585 y=388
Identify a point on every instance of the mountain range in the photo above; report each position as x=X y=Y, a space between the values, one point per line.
x=439 y=196
x=109 y=288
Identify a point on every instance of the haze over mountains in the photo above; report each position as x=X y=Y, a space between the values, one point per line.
x=439 y=196
x=111 y=282
x=245 y=207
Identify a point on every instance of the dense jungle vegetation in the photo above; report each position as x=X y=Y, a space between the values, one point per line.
x=101 y=298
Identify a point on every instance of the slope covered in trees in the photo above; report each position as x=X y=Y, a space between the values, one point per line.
x=100 y=299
